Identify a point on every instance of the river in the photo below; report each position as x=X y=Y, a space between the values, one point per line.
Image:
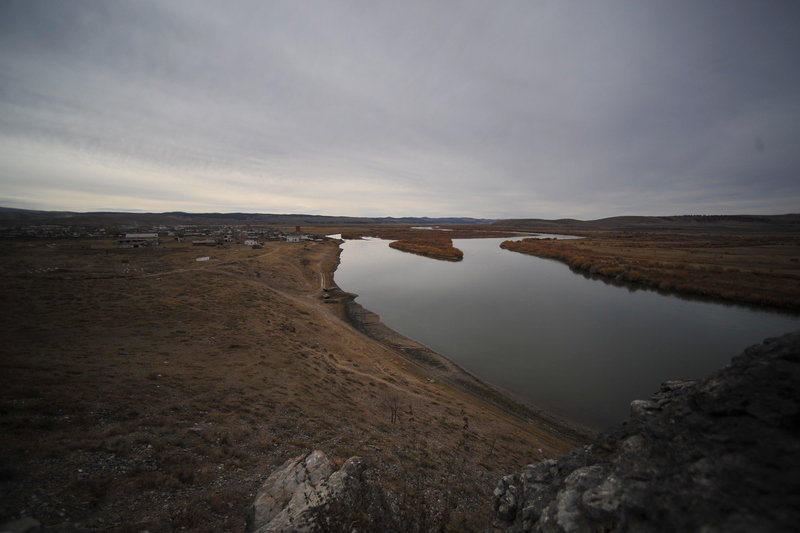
x=578 y=346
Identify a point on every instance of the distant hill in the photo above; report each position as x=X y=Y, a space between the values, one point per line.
x=14 y=217
x=698 y=223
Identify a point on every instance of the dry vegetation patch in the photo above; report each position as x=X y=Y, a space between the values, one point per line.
x=754 y=269
x=437 y=248
x=143 y=390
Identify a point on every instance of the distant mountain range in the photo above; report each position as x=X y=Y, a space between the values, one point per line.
x=700 y=223
x=14 y=217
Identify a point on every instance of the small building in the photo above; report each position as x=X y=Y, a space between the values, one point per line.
x=207 y=242
x=293 y=237
x=138 y=240
x=250 y=242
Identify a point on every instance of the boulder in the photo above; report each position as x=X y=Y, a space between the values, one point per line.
x=711 y=455
x=288 y=499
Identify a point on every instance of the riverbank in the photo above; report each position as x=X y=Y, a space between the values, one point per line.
x=756 y=269
x=438 y=367
x=145 y=390
x=450 y=373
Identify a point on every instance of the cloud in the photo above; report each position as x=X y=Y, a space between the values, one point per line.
x=543 y=109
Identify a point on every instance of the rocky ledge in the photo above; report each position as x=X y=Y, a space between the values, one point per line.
x=298 y=496
x=712 y=455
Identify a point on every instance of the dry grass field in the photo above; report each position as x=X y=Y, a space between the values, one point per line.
x=436 y=248
x=142 y=390
x=761 y=269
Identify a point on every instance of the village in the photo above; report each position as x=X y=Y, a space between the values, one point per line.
x=152 y=235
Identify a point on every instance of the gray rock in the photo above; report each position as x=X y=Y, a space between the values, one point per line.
x=506 y=496
x=288 y=498
x=712 y=455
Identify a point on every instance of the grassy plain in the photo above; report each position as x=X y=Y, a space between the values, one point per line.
x=142 y=390
x=761 y=269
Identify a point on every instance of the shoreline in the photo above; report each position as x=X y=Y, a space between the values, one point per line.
x=453 y=374
x=176 y=386
x=680 y=266
x=447 y=371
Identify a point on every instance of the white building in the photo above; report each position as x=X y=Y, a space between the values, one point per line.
x=137 y=240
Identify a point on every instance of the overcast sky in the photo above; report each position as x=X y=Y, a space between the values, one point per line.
x=534 y=109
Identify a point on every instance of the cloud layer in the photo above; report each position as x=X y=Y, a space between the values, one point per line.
x=498 y=110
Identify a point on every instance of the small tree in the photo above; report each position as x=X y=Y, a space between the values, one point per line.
x=392 y=401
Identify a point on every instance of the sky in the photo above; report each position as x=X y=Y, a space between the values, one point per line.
x=516 y=109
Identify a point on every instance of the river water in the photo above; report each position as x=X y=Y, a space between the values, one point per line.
x=577 y=345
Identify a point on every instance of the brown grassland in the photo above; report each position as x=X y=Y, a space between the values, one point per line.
x=759 y=269
x=142 y=390
x=437 y=248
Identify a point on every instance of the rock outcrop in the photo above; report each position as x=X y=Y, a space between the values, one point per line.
x=712 y=455
x=288 y=499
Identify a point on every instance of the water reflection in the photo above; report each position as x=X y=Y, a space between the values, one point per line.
x=634 y=287
x=562 y=341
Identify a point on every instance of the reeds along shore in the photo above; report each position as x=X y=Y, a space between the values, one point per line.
x=668 y=267
x=438 y=248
